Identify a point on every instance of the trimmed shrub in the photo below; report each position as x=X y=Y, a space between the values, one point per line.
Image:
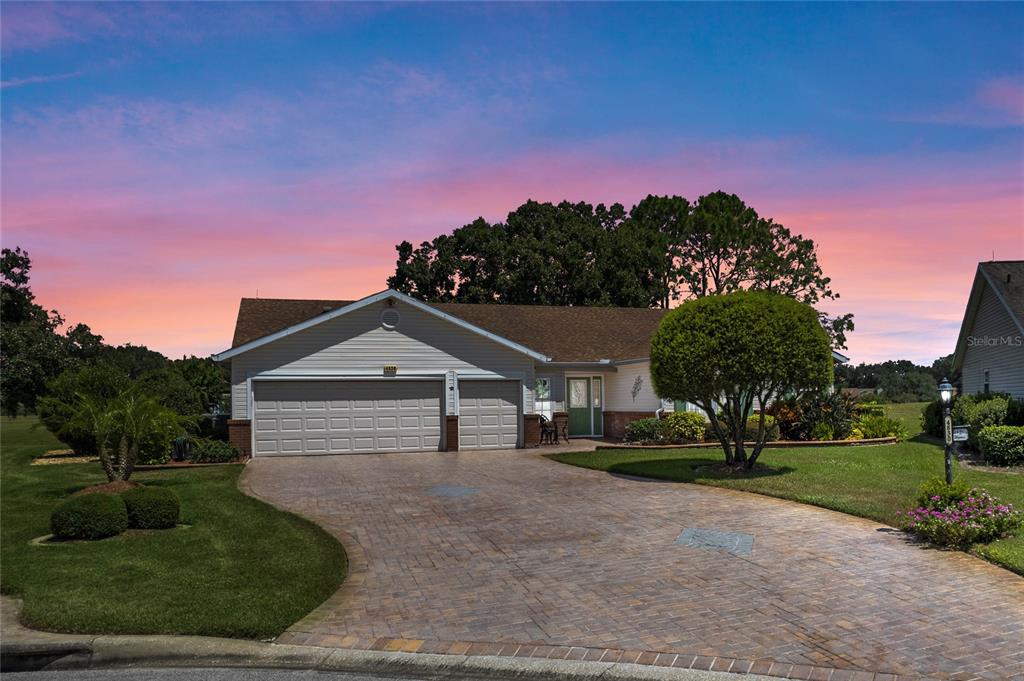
x=214 y=451
x=151 y=508
x=770 y=426
x=90 y=516
x=978 y=412
x=931 y=419
x=1002 y=445
x=872 y=426
x=685 y=426
x=650 y=431
x=935 y=493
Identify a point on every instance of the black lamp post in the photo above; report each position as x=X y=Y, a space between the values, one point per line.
x=946 y=393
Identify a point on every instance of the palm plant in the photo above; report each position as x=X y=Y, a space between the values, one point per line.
x=122 y=424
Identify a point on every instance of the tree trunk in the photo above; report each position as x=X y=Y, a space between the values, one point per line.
x=106 y=462
x=762 y=435
x=123 y=450
x=722 y=439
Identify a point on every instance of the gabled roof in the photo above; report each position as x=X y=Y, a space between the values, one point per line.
x=559 y=334
x=1005 y=278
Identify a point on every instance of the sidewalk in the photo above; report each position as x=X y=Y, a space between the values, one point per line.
x=23 y=649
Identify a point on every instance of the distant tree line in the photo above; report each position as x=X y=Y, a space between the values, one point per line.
x=43 y=368
x=898 y=380
x=664 y=249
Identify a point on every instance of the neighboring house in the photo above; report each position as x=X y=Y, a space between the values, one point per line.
x=990 y=349
x=391 y=373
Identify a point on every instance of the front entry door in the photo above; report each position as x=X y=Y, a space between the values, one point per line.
x=578 y=393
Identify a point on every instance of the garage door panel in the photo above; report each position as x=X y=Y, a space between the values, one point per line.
x=324 y=417
x=488 y=414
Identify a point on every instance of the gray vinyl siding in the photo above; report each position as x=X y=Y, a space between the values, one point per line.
x=619 y=389
x=1004 y=361
x=355 y=344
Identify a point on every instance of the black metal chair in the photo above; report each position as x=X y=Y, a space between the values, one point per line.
x=548 y=431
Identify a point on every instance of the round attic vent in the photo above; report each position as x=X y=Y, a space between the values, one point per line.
x=389 y=318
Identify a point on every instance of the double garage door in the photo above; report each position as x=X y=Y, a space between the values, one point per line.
x=346 y=417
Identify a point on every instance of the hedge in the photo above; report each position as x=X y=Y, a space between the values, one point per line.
x=151 y=508
x=1002 y=445
x=90 y=516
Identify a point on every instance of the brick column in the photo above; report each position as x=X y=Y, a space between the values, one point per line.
x=240 y=435
x=561 y=419
x=531 y=430
x=451 y=433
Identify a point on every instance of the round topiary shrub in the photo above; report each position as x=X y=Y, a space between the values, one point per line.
x=90 y=516
x=152 y=508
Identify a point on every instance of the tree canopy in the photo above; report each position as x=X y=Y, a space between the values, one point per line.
x=38 y=361
x=727 y=353
x=665 y=249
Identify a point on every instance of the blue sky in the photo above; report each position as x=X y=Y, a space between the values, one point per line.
x=156 y=151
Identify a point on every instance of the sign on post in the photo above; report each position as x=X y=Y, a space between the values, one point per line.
x=960 y=434
x=949 y=429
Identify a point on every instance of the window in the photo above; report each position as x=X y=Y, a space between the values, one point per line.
x=542 y=403
x=986 y=381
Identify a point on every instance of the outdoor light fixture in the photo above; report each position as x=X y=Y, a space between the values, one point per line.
x=946 y=393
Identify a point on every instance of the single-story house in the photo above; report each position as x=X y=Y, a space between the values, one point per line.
x=990 y=349
x=392 y=373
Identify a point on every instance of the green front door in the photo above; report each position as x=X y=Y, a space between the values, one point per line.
x=578 y=405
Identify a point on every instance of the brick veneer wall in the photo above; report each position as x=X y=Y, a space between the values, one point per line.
x=451 y=433
x=240 y=435
x=615 y=422
x=531 y=430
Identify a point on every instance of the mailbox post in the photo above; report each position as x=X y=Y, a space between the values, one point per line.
x=946 y=393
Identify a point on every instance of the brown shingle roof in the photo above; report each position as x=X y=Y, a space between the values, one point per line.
x=566 y=334
x=1008 y=277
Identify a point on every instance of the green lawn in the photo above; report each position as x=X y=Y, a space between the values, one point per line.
x=243 y=569
x=909 y=413
x=872 y=482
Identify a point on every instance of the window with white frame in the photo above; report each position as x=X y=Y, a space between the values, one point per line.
x=542 y=403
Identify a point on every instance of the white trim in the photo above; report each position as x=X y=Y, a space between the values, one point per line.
x=370 y=300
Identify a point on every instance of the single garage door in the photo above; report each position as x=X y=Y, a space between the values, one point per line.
x=488 y=414
x=344 y=417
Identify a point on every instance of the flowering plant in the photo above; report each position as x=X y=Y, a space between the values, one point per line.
x=979 y=517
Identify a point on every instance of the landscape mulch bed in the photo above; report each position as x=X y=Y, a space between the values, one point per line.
x=115 y=487
x=767 y=445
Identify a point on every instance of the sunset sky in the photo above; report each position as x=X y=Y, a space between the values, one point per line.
x=161 y=161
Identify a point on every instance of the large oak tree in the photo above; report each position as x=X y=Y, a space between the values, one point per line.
x=664 y=250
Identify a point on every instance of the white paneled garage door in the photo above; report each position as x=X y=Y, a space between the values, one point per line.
x=488 y=414
x=345 y=417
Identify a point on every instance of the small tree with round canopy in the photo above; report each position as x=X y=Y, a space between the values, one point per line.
x=723 y=352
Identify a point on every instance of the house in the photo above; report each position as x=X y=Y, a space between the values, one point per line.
x=990 y=349
x=392 y=373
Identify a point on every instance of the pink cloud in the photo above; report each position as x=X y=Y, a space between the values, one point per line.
x=35 y=80
x=997 y=103
x=149 y=249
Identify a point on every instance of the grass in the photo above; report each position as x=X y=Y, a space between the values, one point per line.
x=242 y=569
x=872 y=482
x=909 y=413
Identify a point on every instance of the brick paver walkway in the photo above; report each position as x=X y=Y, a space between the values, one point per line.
x=518 y=555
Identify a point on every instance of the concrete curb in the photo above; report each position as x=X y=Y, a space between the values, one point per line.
x=106 y=652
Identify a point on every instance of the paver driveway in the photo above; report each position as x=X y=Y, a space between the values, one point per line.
x=511 y=548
